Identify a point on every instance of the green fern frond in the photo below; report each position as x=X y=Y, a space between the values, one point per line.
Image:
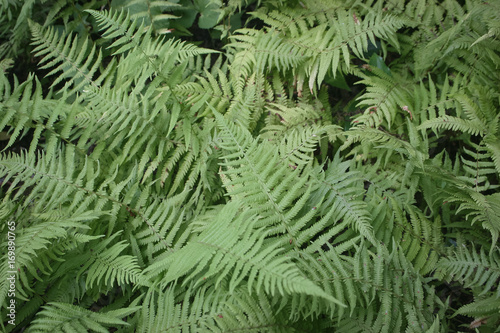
x=315 y=51
x=17 y=113
x=385 y=99
x=210 y=257
x=117 y=24
x=246 y=162
x=482 y=307
x=478 y=271
x=484 y=209
x=455 y=124
x=421 y=238
x=298 y=145
x=208 y=90
x=106 y=264
x=165 y=230
x=428 y=105
x=479 y=169
x=299 y=132
x=51 y=119
x=475 y=269
x=45 y=174
x=493 y=147
x=167 y=312
x=332 y=271
x=285 y=118
x=342 y=191
x=61 y=317
x=410 y=306
x=462 y=52
x=192 y=311
x=78 y=63
x=250 y=312
x=385 y=141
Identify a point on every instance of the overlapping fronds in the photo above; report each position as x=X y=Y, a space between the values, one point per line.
x=310 y=45
x=317 y=172
x=210 y=257
x=62 y=317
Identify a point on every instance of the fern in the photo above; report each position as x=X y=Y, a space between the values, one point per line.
x=478 y=271
x=281 y=51
x=69 y=318
x=106 y=264
x=78 y=67
x=282 y=278
x=312 y=166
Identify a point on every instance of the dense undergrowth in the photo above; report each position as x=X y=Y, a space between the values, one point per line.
x=253 y=166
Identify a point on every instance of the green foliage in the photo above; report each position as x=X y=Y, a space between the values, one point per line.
x=317 y=166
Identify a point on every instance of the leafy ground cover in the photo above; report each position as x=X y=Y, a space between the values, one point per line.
x=254 y=166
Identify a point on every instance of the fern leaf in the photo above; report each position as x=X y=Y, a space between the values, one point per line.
x=62 y=317
x=385 y=98
x=106 y=264
x=78 y=63
x=211 y=256
x=475 y=269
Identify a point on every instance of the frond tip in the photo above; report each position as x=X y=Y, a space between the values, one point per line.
x=77 y=61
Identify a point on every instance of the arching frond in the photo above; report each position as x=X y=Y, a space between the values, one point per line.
x=62 y=317
x=210 y=256
x=78 y=63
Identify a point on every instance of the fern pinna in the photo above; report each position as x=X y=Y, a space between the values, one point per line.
x=328 y=166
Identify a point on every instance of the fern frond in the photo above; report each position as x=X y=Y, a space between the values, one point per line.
x=456 y=46
x=421 y=239
x=386 y=141
x=260 y=312
x=315 y=51
x=491 y=143
x=333 y=273
x=480 y=308
x=343 y=202
x=246 y=162
x=105 y=263
x=262 y=52
x=208 y=309
x=117 y=24
x=45 y=174
x=78 y=63
x=478 y=167
x=299 y=131
x=429 y=105
x=484 y=209
x=210 y=256
x=165 y=230
x=62 y=317
x=396 y=298
x=298 y=145
x=473 y=268
x=167 y=312
x=386 y=98
x=17 y=113
x=454 y=124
